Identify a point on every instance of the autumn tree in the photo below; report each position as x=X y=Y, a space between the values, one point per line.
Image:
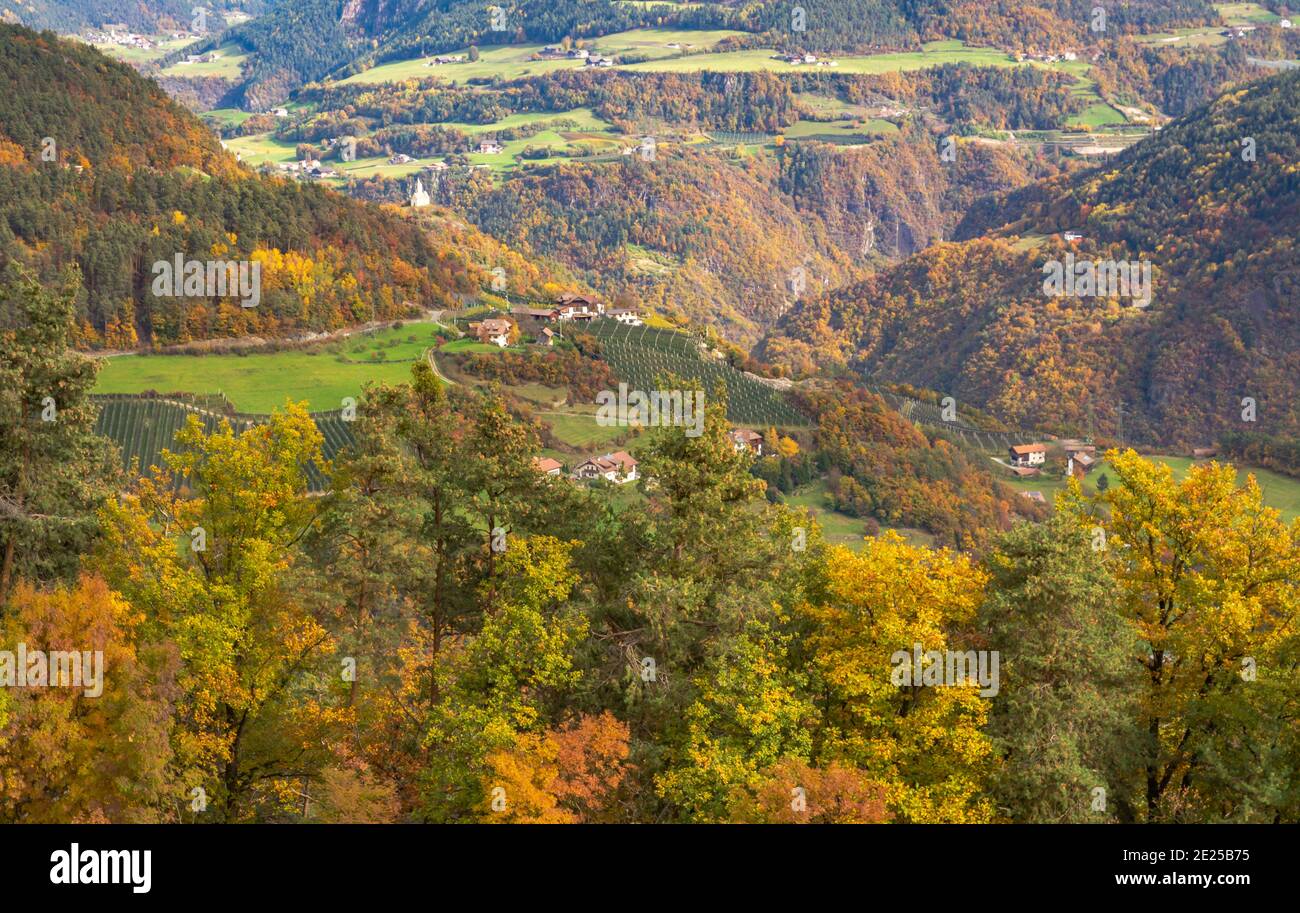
x=98 y=752
x=216 y=574
x=1208 y=581
x=923 y=743
x=506 y=682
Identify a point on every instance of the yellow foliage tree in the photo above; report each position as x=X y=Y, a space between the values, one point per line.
x=922 y=743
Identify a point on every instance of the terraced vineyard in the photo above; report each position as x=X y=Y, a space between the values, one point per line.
x=640 y=356
x=143 y=426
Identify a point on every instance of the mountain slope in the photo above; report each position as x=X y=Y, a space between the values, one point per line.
x=702 y=234
x=147 y=18
x=1218 y=225
x=100 y=171
x=303 y=41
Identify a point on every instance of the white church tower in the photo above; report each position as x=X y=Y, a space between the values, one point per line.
x=419 y=197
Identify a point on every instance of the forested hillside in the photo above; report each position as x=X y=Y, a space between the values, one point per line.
x=100 y=171
x=1212 y=202
x=449 y=635
x=301 y=42
x=156 y=16
x=701 y=234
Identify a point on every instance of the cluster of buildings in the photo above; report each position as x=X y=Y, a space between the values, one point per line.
x=119 y=34
x=1022 y=56
x=580 y=308
x=1241 y=31
x=588 y=58
x=1027 y=460
x=441 y=59
x=619 y=467
x=307 y=168
x=805 y=60
x=498 y=331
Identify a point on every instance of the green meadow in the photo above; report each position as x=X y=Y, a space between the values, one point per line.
x=839 y=528
x=261 y=382
x=138 y=56
x=516 y=60
x=1279 y=491
x=227 y=64
x=691 y=54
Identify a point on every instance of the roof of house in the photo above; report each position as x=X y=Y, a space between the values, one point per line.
x=1026 y=449
x=533 y=312
x=1033 y=495
x=546 y=464
x=623 y=459
x=573 y=298
x=495 y=325
x=1084 y=459
x=745 y=436
x=1024 y=471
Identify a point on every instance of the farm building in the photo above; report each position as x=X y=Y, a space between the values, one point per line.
x=625 y=315
x=617 y=467
x=579 y=307
x=1027 y=454
x=548 y=466
x=747 y=439
x=543 y=314
x=494 y=330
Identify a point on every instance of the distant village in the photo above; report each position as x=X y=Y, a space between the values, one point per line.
x=118 y=34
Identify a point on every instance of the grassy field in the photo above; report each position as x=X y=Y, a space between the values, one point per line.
x=226 y=65
x=1234 y=14
x=932 y=55
x=576 y=132
x=1245 y=13
x=839 y=528
x=515 y=60
x=262 y=382
x=223 y=117
x=261 y=148
x=1279 y=491
x=138 y=56
x=512 y=61
x=578 y=429
x=839 y=131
